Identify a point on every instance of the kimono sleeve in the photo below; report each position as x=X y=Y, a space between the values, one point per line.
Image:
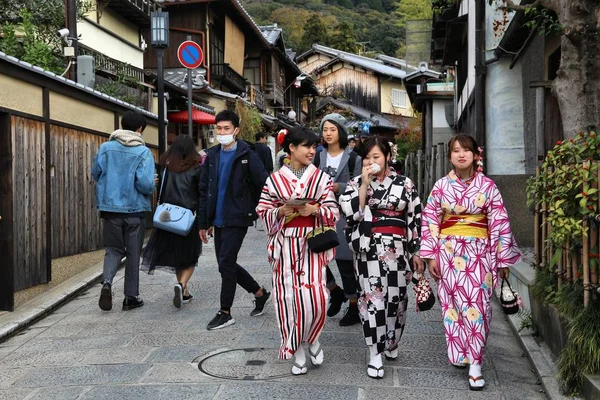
x=359 y=223
x=329 y=209
x=268 y=207
x=502 y=242
x=413 y=217
x=430 y=223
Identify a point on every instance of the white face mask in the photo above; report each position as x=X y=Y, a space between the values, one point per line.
x=225 y=139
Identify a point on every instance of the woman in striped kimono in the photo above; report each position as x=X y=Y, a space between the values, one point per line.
x=468 y=243
x=383 y=213
x=294 y=199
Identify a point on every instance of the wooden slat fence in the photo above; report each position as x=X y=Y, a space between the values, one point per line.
x=29 y=151
x=424 y=169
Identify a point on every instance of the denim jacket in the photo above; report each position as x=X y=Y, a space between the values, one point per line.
x=125 y=176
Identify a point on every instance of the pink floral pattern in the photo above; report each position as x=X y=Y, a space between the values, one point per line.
x=468 y=265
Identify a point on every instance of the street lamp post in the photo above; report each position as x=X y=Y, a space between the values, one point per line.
x=159 y=37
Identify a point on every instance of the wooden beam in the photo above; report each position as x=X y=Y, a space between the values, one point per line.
x=7 y=282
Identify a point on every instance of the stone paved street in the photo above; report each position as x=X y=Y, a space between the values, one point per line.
x=160 y=352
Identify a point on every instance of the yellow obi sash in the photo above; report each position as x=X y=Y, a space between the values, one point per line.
x=466 y=225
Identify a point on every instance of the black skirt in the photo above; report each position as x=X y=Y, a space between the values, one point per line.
x=171 y=252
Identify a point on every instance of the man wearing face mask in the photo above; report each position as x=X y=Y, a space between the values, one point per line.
x=231 y=177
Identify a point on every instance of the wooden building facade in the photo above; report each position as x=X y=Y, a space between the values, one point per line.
x=50 y=131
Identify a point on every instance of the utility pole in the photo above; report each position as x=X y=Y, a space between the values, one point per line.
x=71 y=25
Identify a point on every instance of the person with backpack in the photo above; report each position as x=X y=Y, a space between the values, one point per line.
x=342 y=164
x=231 y=181
x=170 y=252
x=263 y=151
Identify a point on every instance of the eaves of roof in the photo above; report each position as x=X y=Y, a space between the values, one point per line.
x=51 y=75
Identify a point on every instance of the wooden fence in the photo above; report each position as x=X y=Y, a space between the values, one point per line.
x=577 y=259
x=425 y=169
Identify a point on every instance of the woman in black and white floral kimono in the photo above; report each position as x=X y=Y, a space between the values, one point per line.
x=383 y=212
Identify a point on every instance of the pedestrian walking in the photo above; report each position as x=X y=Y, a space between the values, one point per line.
x=383 y=211
x=468 y=243
x=263 y=151
x=168 y=251
x=295 y=199
x=124 y=171
x=230 y=184
x=341 y=163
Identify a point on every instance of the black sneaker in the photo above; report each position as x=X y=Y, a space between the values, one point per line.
x=187 y=298
x=130 y=302
x=178 y=296
x=352 y=317
x=105 y=302
x=259 y=304
x=337 y=298
x=221 y=320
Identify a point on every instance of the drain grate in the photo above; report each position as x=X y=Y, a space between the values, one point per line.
x=245 y=364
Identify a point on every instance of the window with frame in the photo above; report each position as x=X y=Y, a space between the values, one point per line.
x=398 y=98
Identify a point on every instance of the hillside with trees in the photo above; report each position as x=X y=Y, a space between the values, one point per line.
x=369 y=26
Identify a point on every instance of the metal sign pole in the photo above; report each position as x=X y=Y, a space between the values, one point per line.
x=189 y=83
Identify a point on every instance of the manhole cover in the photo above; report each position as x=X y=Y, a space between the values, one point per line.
x=247 y=364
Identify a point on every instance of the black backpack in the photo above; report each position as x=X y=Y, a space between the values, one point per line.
x=351 y=162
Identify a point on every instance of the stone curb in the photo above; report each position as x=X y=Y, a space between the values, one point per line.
x=49 y=301
x=539 y=355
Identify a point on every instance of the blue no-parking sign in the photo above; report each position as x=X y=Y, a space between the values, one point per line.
x=190 y=54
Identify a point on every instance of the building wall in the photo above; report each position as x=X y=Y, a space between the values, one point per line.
x=234 y=46
x=113 y=47
x=386 y=99
x=313 y=62
x=358 y=85
x=442 y=132
x=74 y=112
x=505 y=152
x=20 y=96
x=468 y=7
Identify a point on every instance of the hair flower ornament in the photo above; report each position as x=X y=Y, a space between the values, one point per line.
x=281 y=136
x=479 y=159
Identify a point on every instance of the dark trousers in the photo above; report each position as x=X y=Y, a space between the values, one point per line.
x=228 y=242
x=349 y=281
x=123 y=237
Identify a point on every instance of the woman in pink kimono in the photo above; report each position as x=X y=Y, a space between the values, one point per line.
x=467 y=239
x=295 y=199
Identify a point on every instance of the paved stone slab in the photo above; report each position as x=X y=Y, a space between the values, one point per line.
x=60 y=393
x=9 y=375
x=176 y=373
x=86 y=343
x=180 y=353
x=14 y=394
x=299 y=391
x=84 y=375
x=438 y=379
x=179 y=392
x=120 y=355
x=23 y=358
x=401 y=393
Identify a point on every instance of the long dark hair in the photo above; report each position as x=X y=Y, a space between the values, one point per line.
x=182 y=155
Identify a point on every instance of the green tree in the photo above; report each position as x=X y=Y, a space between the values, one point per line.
x=412 y=9
x=386 y=38
x=315 y=32
x=345 y=38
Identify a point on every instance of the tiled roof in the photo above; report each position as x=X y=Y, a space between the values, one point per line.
x=178 y=77
x=365 y=62
x=52 y=75
x=271 y=33
x=362 y=113
x=396 y=62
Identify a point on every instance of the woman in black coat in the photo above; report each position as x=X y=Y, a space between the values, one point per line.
x=180 y=186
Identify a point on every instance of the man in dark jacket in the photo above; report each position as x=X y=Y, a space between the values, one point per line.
x=124 y=170
x=231 y=178
x=263 y=151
